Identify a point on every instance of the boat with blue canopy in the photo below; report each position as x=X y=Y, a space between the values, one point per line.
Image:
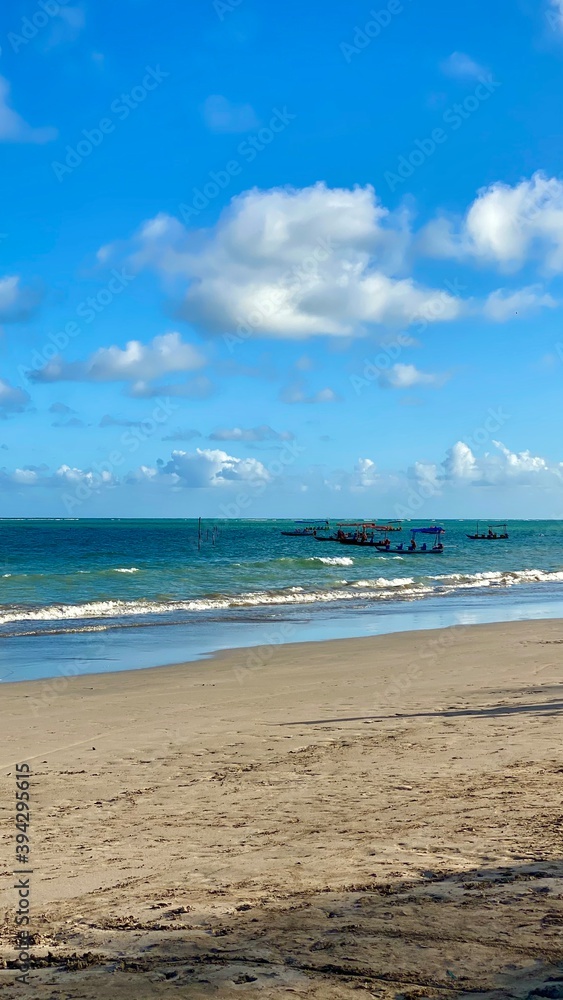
x=435 y=532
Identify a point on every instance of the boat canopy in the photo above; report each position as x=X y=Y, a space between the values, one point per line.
x=435 y=530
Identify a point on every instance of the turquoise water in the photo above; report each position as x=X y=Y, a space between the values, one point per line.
x=73 y=579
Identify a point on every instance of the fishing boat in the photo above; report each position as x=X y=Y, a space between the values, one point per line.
x=491 y=535
x=309 y=529
x=364 y=535
x=358 y=537
x=413 y=549
x=385 y=530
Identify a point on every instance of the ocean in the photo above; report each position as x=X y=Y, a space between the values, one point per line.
x=95 y=595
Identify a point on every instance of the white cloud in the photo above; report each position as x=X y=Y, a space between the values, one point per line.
x=365 y=473
x=292 y=263
x=220 y=115
x=523 y=465
x=12 y=399
x=426 y=473
x=501 y=467
x=504 y=304
x=206 y=467
x=65 y=477
x=463 y=67
x=25 y=477
x=13 y=128
x=460 y=462
x=144 y=474
x=17 y=302
x=71 y=478
x=401 y=376
x=135 y=362
x=507 y=226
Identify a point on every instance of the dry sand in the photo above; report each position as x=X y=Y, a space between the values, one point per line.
x=378 y=817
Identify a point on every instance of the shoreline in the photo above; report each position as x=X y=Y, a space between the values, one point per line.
x=383 y=811
x=140 y=647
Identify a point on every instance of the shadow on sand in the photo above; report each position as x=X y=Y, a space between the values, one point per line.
x=492 y=932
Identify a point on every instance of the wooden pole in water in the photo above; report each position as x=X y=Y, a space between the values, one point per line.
x=199 y=534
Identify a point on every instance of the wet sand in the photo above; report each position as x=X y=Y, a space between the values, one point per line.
x=375 y=816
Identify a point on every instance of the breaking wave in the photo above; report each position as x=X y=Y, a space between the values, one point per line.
x=370 y=590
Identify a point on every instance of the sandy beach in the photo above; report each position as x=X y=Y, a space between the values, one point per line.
x=375 y=817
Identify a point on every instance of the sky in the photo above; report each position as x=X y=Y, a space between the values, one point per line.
x=281 y=260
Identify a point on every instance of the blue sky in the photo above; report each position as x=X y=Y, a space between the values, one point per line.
x=281 y=260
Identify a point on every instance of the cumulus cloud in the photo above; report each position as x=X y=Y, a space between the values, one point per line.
x=206 y=467
x=25 y=477
x=213 y=468
x=366 y=473
x=65 y=477
x=506 y=226
x=13 y=128
x=221 y=115
x=72 y=477
x=263 y=433
x=426 y=473
x=460 y=462
x=522 y=466
x=501 y=467
x=401 y=376
x=463 y=67
x=12 y=399
x=144 y=474
x=17 y=303
x=134 y=362
x=294 y=263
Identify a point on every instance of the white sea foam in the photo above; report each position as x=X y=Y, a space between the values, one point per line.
x=332 y=560
x=133 y=569
x=378 y=589
x=400 y=581
x=499 y=578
